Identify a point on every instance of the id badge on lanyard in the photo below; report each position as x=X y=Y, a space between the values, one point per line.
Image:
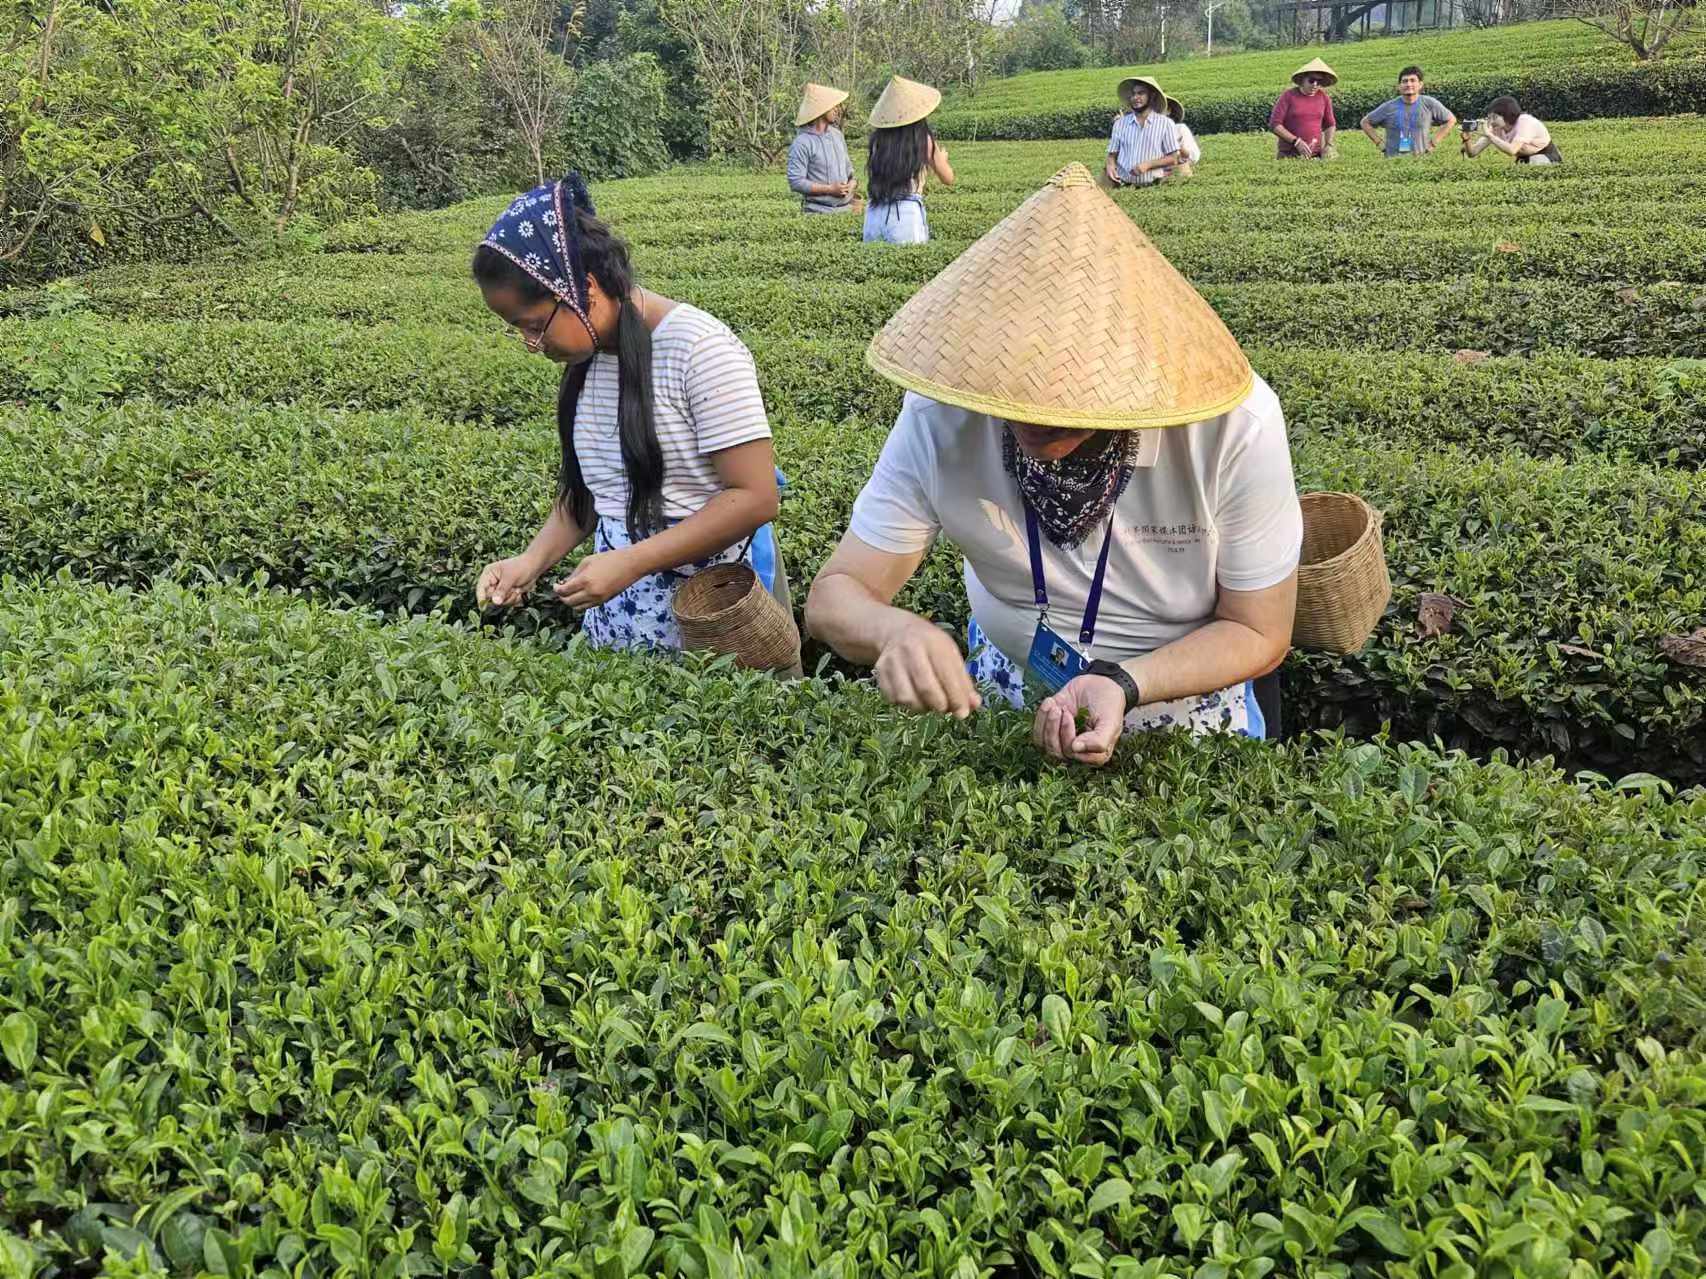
x=1407 y=131
x=1054 y=660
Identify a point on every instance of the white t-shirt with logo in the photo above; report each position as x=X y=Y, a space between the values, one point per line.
x=705 y=400
x=1209 y=505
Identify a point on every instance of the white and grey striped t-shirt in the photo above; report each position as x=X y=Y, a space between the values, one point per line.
x=706 y=400
x=1133 y=141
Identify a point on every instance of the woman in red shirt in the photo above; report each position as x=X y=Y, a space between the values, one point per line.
x=1302 y=119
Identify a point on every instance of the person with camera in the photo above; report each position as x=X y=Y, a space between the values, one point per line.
x=1409 y=119
x=1510 y=129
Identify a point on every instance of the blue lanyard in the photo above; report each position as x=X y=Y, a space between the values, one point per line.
x=1415 y=115
x=1093 y=604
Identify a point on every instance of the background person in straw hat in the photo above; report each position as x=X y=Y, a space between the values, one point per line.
x=1084 y=429
x=820 y=171
x=903 y=149
x=1189 y=148
x=1303 y=119
x=1144 y=145
x=666 y=460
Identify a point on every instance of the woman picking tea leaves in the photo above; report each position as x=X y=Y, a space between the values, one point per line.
x=666 y=458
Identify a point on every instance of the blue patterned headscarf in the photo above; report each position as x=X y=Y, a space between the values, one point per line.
x=540 y=233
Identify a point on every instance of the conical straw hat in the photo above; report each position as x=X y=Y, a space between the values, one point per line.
x=1126 y=84
x=1175 y=109
x=1319 y=68
x=1065 y=315
x=819 y=100
x=904 y=102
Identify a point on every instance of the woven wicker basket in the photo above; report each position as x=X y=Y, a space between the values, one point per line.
x=726 y=609
x=1342 y=583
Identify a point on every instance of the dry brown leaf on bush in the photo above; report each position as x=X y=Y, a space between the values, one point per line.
x=1576 y=650
x=1467 y=356
x=1506 y=246
x=1685 y=650
x=1630 y=296
x=1434 y=613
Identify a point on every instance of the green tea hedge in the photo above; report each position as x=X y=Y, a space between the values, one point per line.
x=328 y=946
x=401 y=511
x=1548 y=405
x=1639 y=89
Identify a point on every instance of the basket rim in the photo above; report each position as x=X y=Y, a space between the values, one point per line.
x=1370 y=532
x=738 y=567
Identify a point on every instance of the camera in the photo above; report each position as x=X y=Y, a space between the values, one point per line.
x=1474 y=126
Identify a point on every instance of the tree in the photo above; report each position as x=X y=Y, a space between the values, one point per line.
x=525 y=45
x=749 y=55
x=1646 y=26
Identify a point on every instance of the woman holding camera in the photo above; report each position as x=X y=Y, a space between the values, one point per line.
x=1509 y=129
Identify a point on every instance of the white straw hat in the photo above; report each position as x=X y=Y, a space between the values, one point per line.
x=904 y=102
x=1065 y=314
x=1315 y=67
x=818 y=101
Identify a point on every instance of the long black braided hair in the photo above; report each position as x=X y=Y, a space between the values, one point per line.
x=597 y=252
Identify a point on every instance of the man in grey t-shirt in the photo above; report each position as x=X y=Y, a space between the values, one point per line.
x=1409 y=119
x=820 y=171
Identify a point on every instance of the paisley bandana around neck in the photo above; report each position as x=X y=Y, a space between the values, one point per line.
x=540 y=233
x=1075 y=494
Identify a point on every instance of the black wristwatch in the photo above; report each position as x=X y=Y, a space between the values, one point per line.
x=1120 y=676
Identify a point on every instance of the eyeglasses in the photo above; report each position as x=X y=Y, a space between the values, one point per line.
x=535 y=341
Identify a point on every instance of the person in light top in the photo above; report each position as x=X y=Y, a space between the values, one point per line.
x=903 y=151
x=1188 y=146
x=1115 y=476
x=1519 y=135
x=1144 y=145
x=666 y=463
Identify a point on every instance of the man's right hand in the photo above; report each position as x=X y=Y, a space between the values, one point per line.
x=505 y=583
x=920 y=668
x=1303 y=147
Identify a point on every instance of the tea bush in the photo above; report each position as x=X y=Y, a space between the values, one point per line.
x=1550 y=404
x=328 y=945
x=402 y=510
x=1561 y=70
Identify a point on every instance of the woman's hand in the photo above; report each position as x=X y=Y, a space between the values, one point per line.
x=1303 y=146
x=505 y=583
x=599 y=578
x=1056 y=729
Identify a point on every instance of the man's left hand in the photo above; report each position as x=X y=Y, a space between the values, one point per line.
x=1056 y=728
x=598 y=578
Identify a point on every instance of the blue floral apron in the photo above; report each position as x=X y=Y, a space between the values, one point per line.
x=1230 y=710
x=641 y=617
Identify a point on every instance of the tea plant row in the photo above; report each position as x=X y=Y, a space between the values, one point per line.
x=329 y=945
x=1569 y=573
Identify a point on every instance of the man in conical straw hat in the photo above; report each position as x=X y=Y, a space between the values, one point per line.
x=820 y=171
x=1303 y=119
x=1144 y=145
x=1082 y=426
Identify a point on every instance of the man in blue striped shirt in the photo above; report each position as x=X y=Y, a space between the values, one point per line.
x=1144 y=145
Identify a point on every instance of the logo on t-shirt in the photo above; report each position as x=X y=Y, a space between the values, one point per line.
x=1173 y=538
